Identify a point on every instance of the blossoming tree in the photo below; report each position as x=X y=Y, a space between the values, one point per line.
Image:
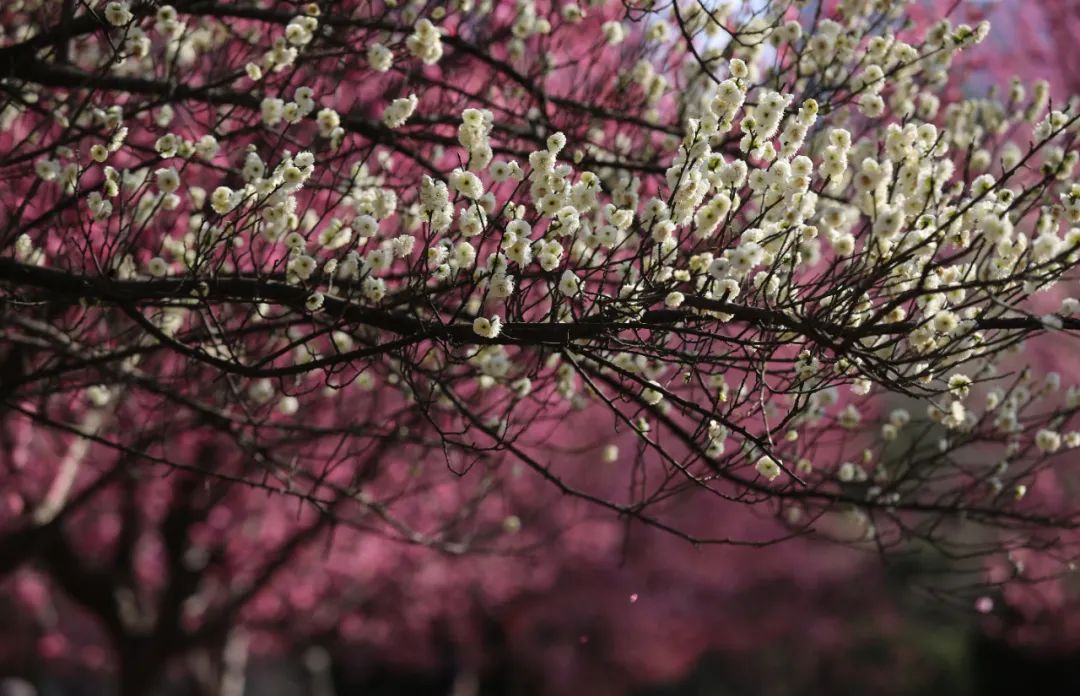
x=366 y=268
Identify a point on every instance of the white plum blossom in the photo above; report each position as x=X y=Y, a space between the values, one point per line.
x=652 y=395
x=768 y=467
x=380 y=57
x=486 y=327
x=425 y=43
x=118 y=13
x=399 y=111
x=157 y=267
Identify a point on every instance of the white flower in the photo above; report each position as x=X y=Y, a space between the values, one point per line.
x=272 y=110
x=403 y=245
x=399 y=111
x=1048 y=441
x=959 y=385
x=464 y=254
x=674 y=299
x=425 y=42
x=167 y=179
x=843 y=244
x=297 y=34
x=100 y=207
x=47 y=169
x=328 y=120
x=556 y=142
x=157 y=267
x=118 y=14
x=335 y=236
x=487 y=328
x=569 y=283
x=207 y=147
x=98 y=394
x=849 y=417
x=502 y=286
x=1050 y=321
x=572 y=13
x=512 y=524
x=379 y=57
x=261 y=391
x=222 y=200
x=519 y=229
x=304 y=160
x=500 y=171
x=292 y=177
x=871 y=105
x=374 y=289
x=314 y=301
x=253 y=167
x=292 y=113
x=380 y=258
x=542 y=161
x=861 y=386
x=167 y=145
x=521 y=387
x=466 y=183
x=652 y=395
x=296 y=241
x=945 y=322
x=366 y=226
x=302 y=266
x=738 y=68
x=613 y=32
x=768 y=467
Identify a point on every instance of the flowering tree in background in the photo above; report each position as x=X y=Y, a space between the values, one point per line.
x=300 y=298
x=1039 y=615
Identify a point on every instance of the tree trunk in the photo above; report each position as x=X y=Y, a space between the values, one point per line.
x=140 y=668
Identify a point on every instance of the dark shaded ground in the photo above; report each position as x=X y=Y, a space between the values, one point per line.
x=982 y=667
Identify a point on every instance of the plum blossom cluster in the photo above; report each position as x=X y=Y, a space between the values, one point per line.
x=746 y=244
